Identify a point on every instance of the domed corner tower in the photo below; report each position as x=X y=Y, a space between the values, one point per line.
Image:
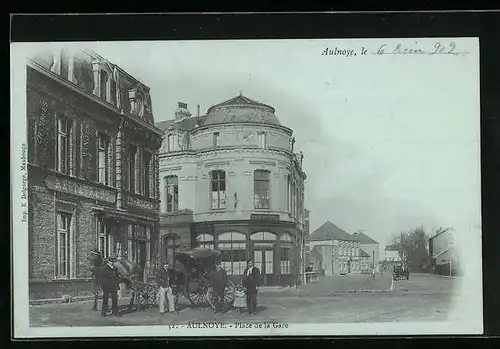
x=249 y=190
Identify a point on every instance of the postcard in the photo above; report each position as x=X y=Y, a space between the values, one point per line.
x=246 y=188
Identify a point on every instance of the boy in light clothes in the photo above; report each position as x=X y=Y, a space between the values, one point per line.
x=163 y=280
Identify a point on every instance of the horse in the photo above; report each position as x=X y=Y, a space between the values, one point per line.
x=127 y=272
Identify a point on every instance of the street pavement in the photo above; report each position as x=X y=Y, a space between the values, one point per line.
x=334 y=299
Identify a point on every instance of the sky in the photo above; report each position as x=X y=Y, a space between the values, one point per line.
x=390 y=142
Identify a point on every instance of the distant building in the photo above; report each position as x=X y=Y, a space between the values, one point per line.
x=443 y=252
x=365 y=260
x=230 y=180
x=370 y=246
x=334 y=251
x=391 y=254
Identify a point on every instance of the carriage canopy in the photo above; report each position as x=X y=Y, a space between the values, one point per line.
x=197 y=255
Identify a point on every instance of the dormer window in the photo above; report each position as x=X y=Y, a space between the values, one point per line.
x=262 y=140
x=139 y=106
x=104 y=85
x=173 y=142
x=216 y=139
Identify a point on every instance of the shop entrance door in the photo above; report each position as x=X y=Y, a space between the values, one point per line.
x=264 y=260
x=141 y=249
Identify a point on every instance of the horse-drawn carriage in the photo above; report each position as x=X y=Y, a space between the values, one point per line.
x=197 y=264
x=399 y=273
x=189 y=280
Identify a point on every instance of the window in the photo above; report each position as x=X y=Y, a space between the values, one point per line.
x=105 y=241
x=285 y=260
x=261 y=189
x=216 y=139
x=262 y=140
x=103 y=159
x=285 y=253
x=138 y=236
x=233 y=252
x=218 y=189
x=132 y=152
x=63 y=245
x=173 y=142
x=205 y=240
x=289 y=193
x=172 y=184
x=63 y=149
x=171 y=247
x=147 y=174
x=104 y=85
x=139 y=106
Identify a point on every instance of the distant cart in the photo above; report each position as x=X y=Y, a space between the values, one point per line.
x=399 y=273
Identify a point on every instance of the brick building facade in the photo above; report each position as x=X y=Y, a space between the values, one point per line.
x=230 y=180
x=93 y=168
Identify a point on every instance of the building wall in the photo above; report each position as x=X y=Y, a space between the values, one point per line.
x=240 y=135
x=344 y=255
x=441 y=242
x=392 y=256
x=61 y=85
x=370 y=249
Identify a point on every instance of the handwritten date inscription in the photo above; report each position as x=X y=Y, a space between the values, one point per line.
x=437 y=49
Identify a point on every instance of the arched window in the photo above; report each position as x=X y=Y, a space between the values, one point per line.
x=233 y=252
x=104 y=85
x=173 y=142
x=263 y=236
x=261 y=189
x=285 y=253
x=170 y=248
x=218 y=189
x=205 y=240
x=172 y=188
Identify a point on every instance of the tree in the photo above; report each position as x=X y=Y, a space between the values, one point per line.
x=412 y=247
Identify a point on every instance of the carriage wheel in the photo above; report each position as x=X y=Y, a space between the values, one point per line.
x=229 y=296
x=196 y=293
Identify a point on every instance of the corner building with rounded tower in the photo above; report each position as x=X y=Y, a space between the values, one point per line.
x=230 y=180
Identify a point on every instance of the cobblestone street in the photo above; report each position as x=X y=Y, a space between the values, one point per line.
x=338 y=299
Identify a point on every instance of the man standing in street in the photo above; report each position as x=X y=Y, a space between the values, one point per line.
x=251 y=281
x=218 y=281
x=108 y=278
x=163 y=280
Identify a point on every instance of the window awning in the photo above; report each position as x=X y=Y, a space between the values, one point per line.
x=124 y=216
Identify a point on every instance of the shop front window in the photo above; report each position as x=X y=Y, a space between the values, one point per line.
x=285 y=255
x=170 y=248
x=205 y=241
x=233 y=252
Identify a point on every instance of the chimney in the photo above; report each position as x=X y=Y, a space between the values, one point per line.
x=182 y=111
x=198 y=112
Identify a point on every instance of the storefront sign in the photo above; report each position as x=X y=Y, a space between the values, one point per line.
x=265 y=217
x=80 y=189
x=142 y=204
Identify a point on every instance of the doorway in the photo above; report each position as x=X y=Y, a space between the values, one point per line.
x=264 y=260
x=142 y=257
